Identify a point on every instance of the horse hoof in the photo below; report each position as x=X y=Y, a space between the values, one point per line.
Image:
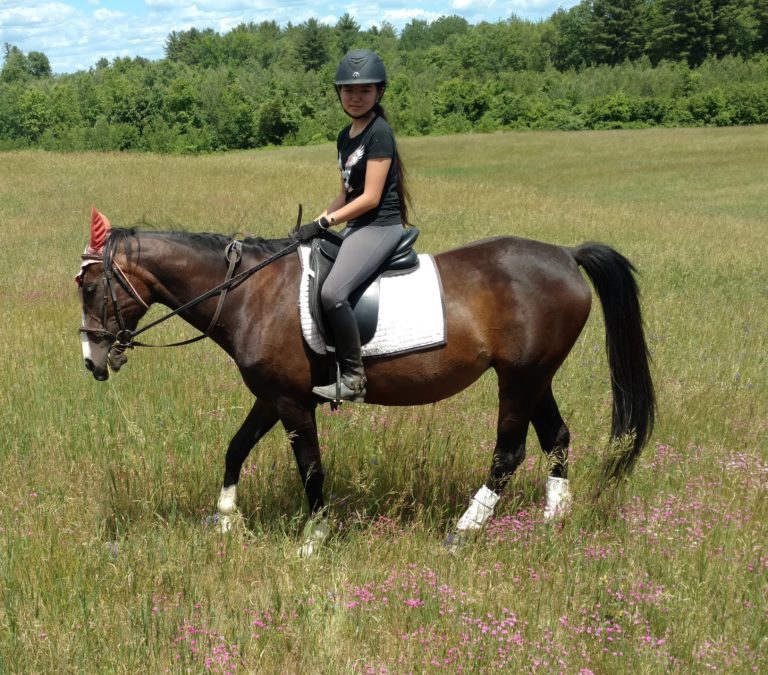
x=456 y=541
x=225 y=524
x=315 y=534
x=307 y=549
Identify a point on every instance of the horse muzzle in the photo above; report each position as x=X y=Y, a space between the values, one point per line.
x=99 y=374
x=115 y=360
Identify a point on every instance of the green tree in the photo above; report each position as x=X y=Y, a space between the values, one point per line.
x=34 y=112
x=129 y=99
x=735 y=30
x=227 y=111
x=178 y=43
x=275 y=121
x=15 y=64
x=39 y=65
x=241 y=44
x=616 y=31
x=489 y=49
x=65 y=110
x=311 y=47
x=681 y=30
x=346 y=32
x=760 y=12
x=415 y=35
x=570 y=42
x=384 y=41
x=440 y=30
x=195 y=47
x=181 y=102
x=463 y=99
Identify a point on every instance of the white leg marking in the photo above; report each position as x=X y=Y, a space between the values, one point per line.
x=227 y=507
x=480 y=510
x=558 y=498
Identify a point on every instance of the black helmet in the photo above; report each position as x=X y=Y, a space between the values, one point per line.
x=361 y=66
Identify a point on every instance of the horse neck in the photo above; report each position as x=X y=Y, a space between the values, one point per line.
x=175 y=271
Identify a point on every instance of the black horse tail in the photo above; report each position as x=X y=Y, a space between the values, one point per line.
x=634 y=401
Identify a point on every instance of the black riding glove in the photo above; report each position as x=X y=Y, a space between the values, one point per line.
x=309 y=231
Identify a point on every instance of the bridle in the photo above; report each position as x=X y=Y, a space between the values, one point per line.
x=113 y=276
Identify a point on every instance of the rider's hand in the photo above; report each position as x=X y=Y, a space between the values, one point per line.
x=309 y=231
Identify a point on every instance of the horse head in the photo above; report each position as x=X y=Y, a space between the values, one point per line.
x=111 y=305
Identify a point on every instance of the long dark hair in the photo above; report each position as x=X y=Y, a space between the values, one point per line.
x=401 y=175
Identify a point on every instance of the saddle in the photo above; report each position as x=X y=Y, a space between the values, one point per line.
x=365 y=298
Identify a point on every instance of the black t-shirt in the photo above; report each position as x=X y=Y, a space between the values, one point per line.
x=375 y=141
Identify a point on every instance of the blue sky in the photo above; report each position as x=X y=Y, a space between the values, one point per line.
x=75 y=34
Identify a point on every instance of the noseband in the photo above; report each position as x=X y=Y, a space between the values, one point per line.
x=124 y=336
x=113 y=275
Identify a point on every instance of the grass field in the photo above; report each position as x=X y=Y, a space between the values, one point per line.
x=109 y=558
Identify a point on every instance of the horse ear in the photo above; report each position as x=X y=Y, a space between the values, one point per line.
x=99 y=229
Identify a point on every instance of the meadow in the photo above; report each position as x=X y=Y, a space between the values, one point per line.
x=110 y=559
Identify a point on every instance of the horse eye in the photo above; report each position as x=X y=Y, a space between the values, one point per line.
x=89 y=288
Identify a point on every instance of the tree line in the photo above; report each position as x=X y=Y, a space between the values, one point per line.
x=600 y=64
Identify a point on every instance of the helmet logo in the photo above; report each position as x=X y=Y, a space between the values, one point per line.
x=355 y=75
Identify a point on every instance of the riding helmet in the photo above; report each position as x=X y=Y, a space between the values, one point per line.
x=361 y=66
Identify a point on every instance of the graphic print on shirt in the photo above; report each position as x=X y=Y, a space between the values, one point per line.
x=346 y=169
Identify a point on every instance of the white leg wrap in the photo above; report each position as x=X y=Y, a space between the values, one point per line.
x=558 y=498
x=227 y=507
x=480 y=510
x=316 y=532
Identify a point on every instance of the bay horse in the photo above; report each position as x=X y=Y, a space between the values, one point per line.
x=511 y=304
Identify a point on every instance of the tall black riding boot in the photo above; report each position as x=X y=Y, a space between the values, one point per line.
x=347 y=335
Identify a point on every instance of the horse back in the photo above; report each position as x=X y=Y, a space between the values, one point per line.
x=526 y=298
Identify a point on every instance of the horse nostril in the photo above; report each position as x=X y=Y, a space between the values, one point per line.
x=89 y=364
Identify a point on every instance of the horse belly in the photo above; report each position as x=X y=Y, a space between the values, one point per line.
x=432 y=374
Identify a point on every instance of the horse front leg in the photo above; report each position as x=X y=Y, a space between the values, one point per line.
x=262 y=417
x=301 y=427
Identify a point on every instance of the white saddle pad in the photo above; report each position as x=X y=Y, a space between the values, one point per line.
x=411 y=314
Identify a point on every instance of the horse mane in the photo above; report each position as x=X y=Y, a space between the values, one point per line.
x=200 y=241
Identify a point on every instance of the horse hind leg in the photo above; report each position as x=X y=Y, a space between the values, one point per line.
x=508 y=454
x=300 y=424
x=555 y=439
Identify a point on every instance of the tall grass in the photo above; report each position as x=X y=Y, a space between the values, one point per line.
x=109 y=558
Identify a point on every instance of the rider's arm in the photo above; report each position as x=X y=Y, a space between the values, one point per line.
x=337 y=203
x=376 y=171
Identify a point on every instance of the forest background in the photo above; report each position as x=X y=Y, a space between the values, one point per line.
x=601 y=64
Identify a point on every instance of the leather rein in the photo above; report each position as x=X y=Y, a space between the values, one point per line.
x=113 y=275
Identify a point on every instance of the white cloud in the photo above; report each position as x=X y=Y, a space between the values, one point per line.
x=41 y=14
x=405 y=15
x=208 y=6
x=472 y=4
x=535 y=8
x=108 y=15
